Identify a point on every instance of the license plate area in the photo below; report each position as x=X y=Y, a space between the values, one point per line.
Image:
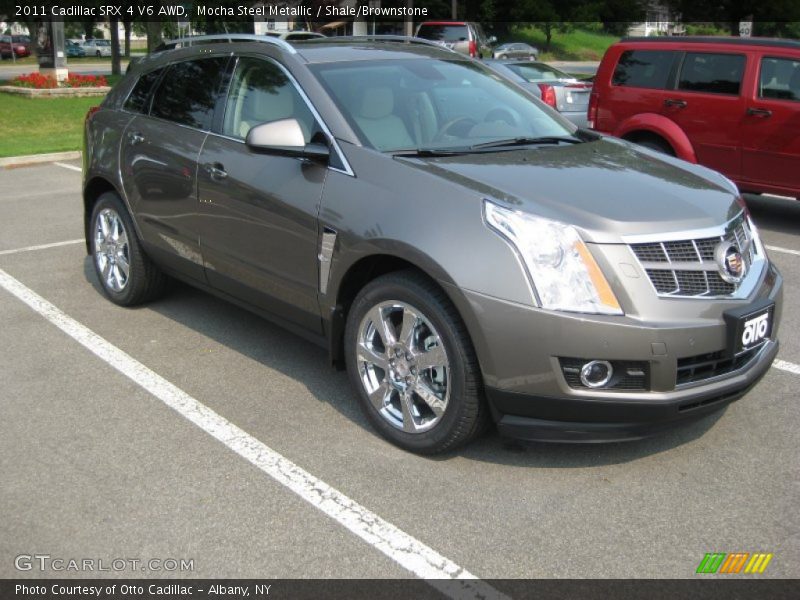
x=749 y=326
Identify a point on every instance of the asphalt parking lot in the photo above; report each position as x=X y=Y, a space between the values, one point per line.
x=185 y=456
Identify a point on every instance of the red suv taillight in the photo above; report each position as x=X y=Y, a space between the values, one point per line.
x=473 y=48
x=548 y=94
x=591 y=113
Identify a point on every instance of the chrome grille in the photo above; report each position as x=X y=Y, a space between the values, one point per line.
x=688 y=267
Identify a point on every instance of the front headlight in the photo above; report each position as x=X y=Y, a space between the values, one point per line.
x=563 y=273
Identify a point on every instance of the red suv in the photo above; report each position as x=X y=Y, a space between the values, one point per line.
x=732 y=104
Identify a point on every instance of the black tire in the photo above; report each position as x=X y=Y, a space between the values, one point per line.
x=657 y=145
x=99 y=54
x=144 y=281
x=466 y=413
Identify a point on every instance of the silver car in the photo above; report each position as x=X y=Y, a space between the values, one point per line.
x=469 y=256
x=97 y=48
x=515 y=50
x=559 y=90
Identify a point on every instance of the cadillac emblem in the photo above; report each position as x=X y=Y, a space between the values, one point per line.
x=731 y=263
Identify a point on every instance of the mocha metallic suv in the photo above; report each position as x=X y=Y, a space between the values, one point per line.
x=464 y=251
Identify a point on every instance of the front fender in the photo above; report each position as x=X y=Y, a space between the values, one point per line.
x=662 y=127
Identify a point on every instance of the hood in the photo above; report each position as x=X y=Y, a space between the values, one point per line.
x=606 y=188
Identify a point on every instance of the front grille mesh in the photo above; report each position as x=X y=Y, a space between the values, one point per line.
x=688 y=268
x=706 y=366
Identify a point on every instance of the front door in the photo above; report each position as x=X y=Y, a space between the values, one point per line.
x=259 y=234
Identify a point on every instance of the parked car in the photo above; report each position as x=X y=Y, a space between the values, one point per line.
x=515 y=50
x=462 y=36
x=97 y=48
x=74 y=49
x=732 y=104
x=559 y=90
x=605 y=291
x=9 y=44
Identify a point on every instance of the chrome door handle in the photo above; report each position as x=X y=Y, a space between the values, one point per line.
x=136 y=138
x=216 y=171
x=675 y=103
x=759 y=112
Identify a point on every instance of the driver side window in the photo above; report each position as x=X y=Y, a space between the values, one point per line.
x=260 y=93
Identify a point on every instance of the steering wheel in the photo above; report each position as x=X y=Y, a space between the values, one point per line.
x=466 y=122
x=500 y=114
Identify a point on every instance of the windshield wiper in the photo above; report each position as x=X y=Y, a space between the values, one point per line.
x=430 y=152
x=525 y=141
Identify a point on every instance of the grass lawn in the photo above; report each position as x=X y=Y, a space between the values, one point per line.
x=577 y=44
x=38 y=125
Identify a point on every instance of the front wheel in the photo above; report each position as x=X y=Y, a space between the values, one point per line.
x=127 y=276
x=412 y=362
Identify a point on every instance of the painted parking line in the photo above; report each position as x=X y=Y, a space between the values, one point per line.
x=410 y=553
x=70 y=167
x=786 y=366
x=41 y=247
x=783 y=250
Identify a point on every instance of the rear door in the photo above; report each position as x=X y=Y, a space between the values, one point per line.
x=159 y=158
x=259 y=211
x=771 y=126
x=708 y=105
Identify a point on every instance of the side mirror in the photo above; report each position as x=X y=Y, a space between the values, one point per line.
x=492 y=39
x=285 y=137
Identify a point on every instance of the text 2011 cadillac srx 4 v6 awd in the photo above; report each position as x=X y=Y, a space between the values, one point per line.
x=466 y=253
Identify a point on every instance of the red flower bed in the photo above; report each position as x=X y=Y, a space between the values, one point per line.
x=34 y=80
x=41 y=82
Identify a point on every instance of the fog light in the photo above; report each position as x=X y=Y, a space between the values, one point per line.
x=597 y=373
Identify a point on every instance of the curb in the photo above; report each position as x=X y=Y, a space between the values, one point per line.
x=70 y=92
x=35 y=159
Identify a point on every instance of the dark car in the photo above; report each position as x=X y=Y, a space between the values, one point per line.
x=732 y=104
x=74 y=49
x=15 y=44
x=464 y=252
x=464 y=37
x=559 y=90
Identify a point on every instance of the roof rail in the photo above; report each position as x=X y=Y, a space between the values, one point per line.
x=225 y=37
x=379 y=38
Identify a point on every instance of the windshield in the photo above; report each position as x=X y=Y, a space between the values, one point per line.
x=433 y=104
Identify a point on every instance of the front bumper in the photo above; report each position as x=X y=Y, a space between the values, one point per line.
x=547 y=419
x=520 y=347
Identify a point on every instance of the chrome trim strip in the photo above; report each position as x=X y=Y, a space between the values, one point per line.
x=325 y=255
x=679 y=236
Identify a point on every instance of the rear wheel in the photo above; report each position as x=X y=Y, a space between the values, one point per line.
x=411 y=360
x=127 y=276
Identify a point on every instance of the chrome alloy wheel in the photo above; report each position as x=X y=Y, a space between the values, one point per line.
x=111 y=251
x=403 y=366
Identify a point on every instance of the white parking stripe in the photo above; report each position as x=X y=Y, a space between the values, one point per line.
x=42 y=247
x=786 y=366
x=784 y=250
x=70 y=167
x=410 y=553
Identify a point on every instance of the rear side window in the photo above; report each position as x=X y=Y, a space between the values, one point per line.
x=140 y=94
x=644 y=68
x=188 y=92
x=712 y=73
x=779 y=79
x=444 y=33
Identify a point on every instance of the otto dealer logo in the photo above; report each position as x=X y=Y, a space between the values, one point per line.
x=755 y=330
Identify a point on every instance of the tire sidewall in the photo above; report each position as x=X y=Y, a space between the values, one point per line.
x=390 y=289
